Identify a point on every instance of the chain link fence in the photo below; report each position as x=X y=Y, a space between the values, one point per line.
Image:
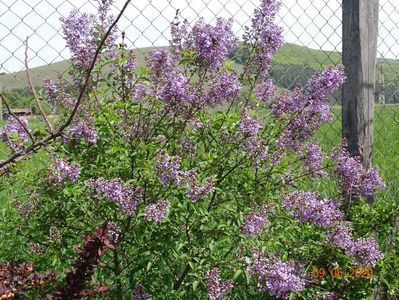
x=312 y=36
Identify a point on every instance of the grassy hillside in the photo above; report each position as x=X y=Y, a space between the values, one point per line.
x=292 y=64
x=53 y=71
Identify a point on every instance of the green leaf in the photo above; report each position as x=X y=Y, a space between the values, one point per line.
x=149 y=265
x=195 y=285
x=237 y=274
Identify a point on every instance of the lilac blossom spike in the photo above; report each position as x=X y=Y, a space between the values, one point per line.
x=51 y=89
x=265 y=90
x=217 y=288
x=157 y=212
x=275 y=276
x=353 y=177
x=254 y=223
x=211 y=44
x=365 y=251
x=82 y=131
x=61 y=171
x=249 y=126
x=307 y=206
x=169 y=166
x=13 y=134
x=118 y=192
x=195 y=190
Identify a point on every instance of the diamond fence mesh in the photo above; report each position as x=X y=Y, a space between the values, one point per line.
x=312 y=36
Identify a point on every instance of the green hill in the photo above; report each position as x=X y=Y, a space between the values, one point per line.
x=292 y=64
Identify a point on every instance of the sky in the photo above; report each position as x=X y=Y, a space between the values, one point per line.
x=316 y=24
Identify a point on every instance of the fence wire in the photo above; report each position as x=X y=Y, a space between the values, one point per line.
x=312 y=36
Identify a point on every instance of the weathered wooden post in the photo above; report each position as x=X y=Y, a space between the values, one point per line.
x=359 y=50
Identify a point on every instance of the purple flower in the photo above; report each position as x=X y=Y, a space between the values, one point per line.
x=224 y=88
x=256 y=149
x=308 y=207
x=254 y=223
x=140 y=293
x=341 y=236
x=61 y=171
x=51 y=89
x=14 y=134
x=265 y=90
x=306 y=113
x=82 y=31
x=313 y=159
x=365 y=251
x=371 y=183
x=157 y=212
x=169 y=166
x=161 y=64
x=82 y=131
x=264 y=34
x=217 y=288
x=118 y=192
x=176 y=92
x=353 y=177
x=249 y=125
x=211 y=44
x=194 y=190
x=78 y=30
x=276 y=277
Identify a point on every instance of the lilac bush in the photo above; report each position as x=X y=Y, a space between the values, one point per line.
x=199 y=169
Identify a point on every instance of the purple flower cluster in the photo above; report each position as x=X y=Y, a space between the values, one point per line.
x=224 y=88
x=157 y=212
x=129 y=65
x=353 y=177
x=217 y=288
x=265 y=90
x=51 y=89
x=254 y=223
x=211 y=44
x=14 y=134
x=264 y=34
x=313 y=159
x=305 y=113
x=82 y=31
x=195 y=190
x=140 y=293
x=61 y=171
x=276 y=277
x=176 y=91
x=169 y=166
x=308 y=207
x=364 y=250
x=82 y=131
x=257 y=149
x=78 y=33
x=161 y=64
x=248 y=125
x=117 y=192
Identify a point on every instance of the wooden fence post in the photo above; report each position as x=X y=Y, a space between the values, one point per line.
x=359 y=50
